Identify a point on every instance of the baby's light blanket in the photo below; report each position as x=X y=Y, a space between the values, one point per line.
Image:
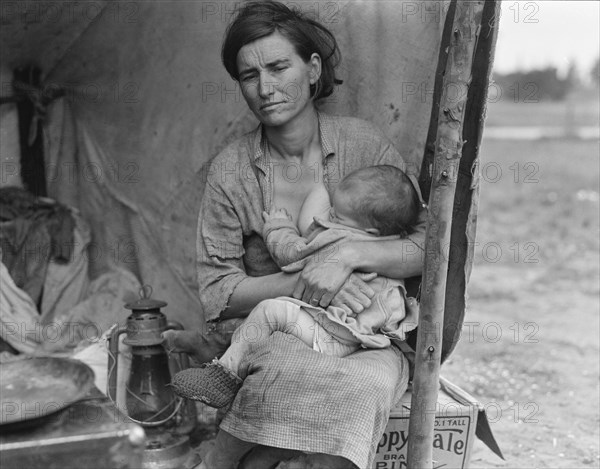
x=296 y=398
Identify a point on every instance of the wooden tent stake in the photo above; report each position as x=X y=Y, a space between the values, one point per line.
x=33 y=168
x=456 y=68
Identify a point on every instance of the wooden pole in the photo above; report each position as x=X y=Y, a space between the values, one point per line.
x=33 y=169
x=466 y=26
x=464 y=215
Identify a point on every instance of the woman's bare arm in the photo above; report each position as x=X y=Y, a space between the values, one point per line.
x=396 y=258
x=253 y=290
x=323 y=277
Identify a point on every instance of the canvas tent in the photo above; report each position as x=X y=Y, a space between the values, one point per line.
x=147 y=104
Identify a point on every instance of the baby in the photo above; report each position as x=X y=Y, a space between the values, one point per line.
x=372 y=202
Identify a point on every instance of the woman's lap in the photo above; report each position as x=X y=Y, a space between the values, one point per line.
x=299 y=399
x=266 y=456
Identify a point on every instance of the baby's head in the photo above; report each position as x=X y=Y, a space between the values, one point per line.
x=380 y=200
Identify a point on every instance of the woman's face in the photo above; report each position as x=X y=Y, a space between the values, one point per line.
x=274 y=79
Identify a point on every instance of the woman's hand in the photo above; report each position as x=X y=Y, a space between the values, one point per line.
x=330 y=280
x=321 y=278
x=356 y=294
x=200 y=347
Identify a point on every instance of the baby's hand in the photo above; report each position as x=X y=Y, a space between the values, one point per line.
x=277 y=214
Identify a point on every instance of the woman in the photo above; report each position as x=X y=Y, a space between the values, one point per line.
x=294 y=398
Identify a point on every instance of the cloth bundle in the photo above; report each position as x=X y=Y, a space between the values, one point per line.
x=35 y=230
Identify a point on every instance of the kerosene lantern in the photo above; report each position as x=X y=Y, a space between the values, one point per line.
x=149 y=400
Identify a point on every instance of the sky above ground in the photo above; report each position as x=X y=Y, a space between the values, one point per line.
x=537 y=34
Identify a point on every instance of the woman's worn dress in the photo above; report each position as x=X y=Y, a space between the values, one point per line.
x=294 y=397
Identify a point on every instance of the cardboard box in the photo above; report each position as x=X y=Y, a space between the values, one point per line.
x=454 y=431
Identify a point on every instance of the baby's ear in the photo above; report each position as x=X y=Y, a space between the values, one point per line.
x=373 y=231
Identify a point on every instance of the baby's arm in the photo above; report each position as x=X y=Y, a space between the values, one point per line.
x=282 y=237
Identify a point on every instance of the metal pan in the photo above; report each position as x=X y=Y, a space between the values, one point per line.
x=36 y=387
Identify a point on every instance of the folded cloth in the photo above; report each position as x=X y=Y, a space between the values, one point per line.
x=18 y=315
x=34 y=231
x=296 y=398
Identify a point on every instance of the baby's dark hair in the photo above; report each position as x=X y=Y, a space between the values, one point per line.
x=382 y=197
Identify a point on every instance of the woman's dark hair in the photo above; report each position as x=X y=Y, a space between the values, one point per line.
x=255 y=20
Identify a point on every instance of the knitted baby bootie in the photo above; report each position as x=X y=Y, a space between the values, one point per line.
x=211 y=383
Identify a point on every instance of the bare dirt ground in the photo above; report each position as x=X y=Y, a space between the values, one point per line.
x=529 y=350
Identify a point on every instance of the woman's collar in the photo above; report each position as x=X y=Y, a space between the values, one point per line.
x=325 y=137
